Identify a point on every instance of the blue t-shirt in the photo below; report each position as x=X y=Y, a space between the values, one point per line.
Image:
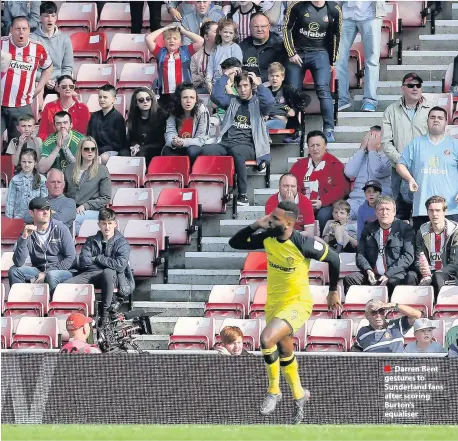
x=435 y=169
x=365 y=214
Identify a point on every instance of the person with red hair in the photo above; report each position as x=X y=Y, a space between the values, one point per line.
x=231 y=341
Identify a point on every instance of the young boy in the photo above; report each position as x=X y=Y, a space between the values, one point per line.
x=423 y=331
x=27 y=139
x=339 y=232
x=366 y=213
x=107 y=126
x=173 y=60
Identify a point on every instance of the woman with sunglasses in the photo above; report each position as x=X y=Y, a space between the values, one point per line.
x=67 y=101
x=145 y=125
x=88 y=182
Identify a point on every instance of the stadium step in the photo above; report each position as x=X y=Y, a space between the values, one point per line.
x=261 y=195
x=347 y=118
x=444 y=41
x=152 y=342
x=220 y=244
x=229 y=227
x=178 y=293
x=252 y=212
x=162 y=326
x=430 y=57
x=447 y=27
x=214 y=260
x=204 y=276
x=346 y=134
x=426 y=72
x=171 y=309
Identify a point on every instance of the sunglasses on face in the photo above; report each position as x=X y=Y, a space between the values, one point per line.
x=67 y=86
x=89 y=149
x=411 y=86
x=380 y=311
x=142 y=100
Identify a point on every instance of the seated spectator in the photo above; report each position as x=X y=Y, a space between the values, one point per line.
x=107 y=126
x=59 y=149
x=88 y=182
x=188 y=125
x=366 y=213
x=339 y=233
x=199 y=61
x=67 y=102
x=423 y=331
x=56 y=43
x=102 y=258
x=13 y=9
x=204 y=12
x=225 y=47
x=241 y=13
x=381 y=335
x=49 y=245
x=79 y=330
x=288 y=192
x=231 y=341
x=26 y=140
x=25 y=186
x=321 y=177
x=385 y=251
x=243 y=133
x=367 y=164
x=454 y=86
x=451 y=338
x=437 y=240
x=145 y=125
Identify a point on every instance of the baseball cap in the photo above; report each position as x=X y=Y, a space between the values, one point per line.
x=373 y=183
x=411 y=76
x=373 y=305
x=39 y=203
x=76 y=321
x=423 y=323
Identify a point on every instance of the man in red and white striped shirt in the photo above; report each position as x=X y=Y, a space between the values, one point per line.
x=18 y=84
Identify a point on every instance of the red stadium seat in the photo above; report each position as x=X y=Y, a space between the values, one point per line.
x=135 y=75
x=7 y=169
x=3 y=293
x=136 y=203
x=438 y=333
x=127 y=48
x=119 y=105
x=11 y=229
x=320 y=304
x=30 y=299
x=115 y=15
x=318 y=273
x=7 y=332
x=193 y=333
x=254 y=271
x=228 y=301
x=447 y=303
x=89 y=47
x=7 y=262
x=4 y=197
x=257 y=308
x=36 y=333
x=126 y=172
x=419 y=297
x=72 y=297
x=413 y=13
x=77 y=16
x=92 y=76
x=314 y=107
x=390 y=30
x=300 y=338
x=347 y=264
x=444 y=100
x=251 y=329
x=330 y=336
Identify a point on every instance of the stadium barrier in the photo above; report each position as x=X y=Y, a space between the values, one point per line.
x=200 y=388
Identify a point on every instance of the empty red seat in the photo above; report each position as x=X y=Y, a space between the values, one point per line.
x=330 y=335
x=193 y=333
x=7 y=332
x=135 y=75
x=251 y=329
x=128 y=47
x=447 y=303
x=418 y=297
x=257 y=308
x=115 y=15
x=72 y=297
x=7 y=169
x=413 y=13
x=7 y=262
x=89 y=227
x=11 y=229
x=228 y=301
x=320 y=304
x=78 y=16
x=254 y=271
x=136 y=203
x=36 y=333
x=390 y=30
x=347 y=264
x=126 y=171
x=30 y=299
x=89 y=46
x=93 y=76
x=318 y=272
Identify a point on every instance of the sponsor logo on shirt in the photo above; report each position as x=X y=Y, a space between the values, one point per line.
x=21 y=65
x=252 y=62
x=281 y=268
x=312 y=33
x=435 y=257
x=433 y=168
x=241 y=122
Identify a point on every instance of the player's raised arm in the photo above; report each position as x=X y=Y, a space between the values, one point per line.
x=246 y=239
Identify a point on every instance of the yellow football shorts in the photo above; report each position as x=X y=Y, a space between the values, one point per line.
x=295 y=313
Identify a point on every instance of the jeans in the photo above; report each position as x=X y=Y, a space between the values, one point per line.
x=23 y=274
x=80 y=218
x=193 y=151
x=275 y=124
x=320 y=68
x=371 y=36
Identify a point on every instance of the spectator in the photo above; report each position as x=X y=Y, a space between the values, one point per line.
x=79 y=330
x=275 y=12
x=173 y=60
x=403 y=121
x=22 y=70
x=188 y=125
x=438 y=241
x=88 y=182
x=241 y=13
x=25 y=186
x=454 y=85
x=321 y=177
x=451 y=338
x=225 y=47
x=26 y=140
x=14 y=9
x=204 y=11
x=59 y=149
x=66 y=102
x=136 y=15
x=49 y=245
x=365 y=18
x=107 y=126
x=311 y=37
x=231 y=341
x=430 y=166
x=57 y=44
x=262 y=47
x=145 y=125
x=199 y=61
x=423 y=331
x=383 y=336
x=288 y=192
x=366 y=213
x=4 y=64
x=243 y=133
x=178 y=9
x=367 y=164
x=339 y=233
x=385 y=251
x=102 y=258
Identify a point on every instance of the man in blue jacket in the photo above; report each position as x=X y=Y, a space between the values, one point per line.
x=49 y=245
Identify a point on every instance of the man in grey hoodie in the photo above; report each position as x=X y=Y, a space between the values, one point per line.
x=56 y=43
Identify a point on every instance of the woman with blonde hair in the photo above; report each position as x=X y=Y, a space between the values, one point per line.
x=88 y=182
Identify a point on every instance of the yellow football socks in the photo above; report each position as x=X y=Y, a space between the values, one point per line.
x=272 y=360
x=290 y=370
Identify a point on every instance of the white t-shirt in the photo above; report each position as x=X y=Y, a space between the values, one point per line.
x=434 y=346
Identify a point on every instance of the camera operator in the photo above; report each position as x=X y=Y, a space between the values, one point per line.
x=79 y=329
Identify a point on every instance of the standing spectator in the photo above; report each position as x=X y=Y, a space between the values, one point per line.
x=430 y=166
x=88 y=182
x=385 y=251
x=366 y=213
x=188 y=125
x=18 y=84
x=365 y=18
x=49 y=245
x=26 y=140
x=145 y=125
x=57 y=44
x=178 y=9
x=339 y=233
x=67 y=102
x=275 y=11
x=241 y=13
x=438 y=241
x=367 y=164
x=204 y=11
x=59 y=149
x=321 y=177
x=231 y=341
x=25 y=186
x=243 y=133
x=136 y=15
x=454 y=86
x=288 y=192
x=312 y=34
x=27 y=9
x=423 y=331
x=107 y=126
x=79 y=328
x=403 y=121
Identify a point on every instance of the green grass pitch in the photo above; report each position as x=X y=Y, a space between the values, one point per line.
x=223 y=433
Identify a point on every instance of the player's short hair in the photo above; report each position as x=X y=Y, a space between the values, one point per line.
x=314 y=133
x=438 y=109
x=229 y=334
x=276 y=67
x=205 y=28
x=230 y=62
x=386 y=200
x=284 y=175
x=48 y=8
x=26 y=117
x=290 y=208
x=108 y=88
x=169 y=31
x=107 y=214
x=436 y=200
x=342 y=204
x=62 y=114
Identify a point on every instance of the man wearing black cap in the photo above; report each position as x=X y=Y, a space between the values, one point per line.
x=49 y=245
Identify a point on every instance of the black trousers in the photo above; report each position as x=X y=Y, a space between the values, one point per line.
x=440 y=279
x=193 y=151
x=136 y=15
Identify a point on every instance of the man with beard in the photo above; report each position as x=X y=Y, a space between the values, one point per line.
x=289 y=302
